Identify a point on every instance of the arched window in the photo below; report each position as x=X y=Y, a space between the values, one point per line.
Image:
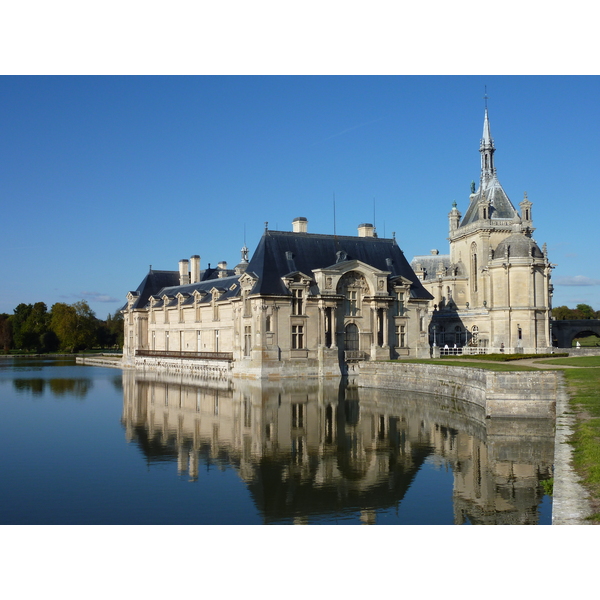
x=474 y=266
x=353 y=286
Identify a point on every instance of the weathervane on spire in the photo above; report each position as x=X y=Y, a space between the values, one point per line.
x=485 y=96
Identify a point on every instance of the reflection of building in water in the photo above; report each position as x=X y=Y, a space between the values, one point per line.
x=312 y=449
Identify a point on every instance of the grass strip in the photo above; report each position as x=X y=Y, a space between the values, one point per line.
x=574 y=361
x=499 y=357
x=584 y=391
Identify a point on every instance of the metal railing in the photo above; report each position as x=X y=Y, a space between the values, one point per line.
x=355 y=355
x=184 y=354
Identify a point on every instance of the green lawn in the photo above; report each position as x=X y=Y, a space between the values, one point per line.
x=574 y=361
x=584 y=388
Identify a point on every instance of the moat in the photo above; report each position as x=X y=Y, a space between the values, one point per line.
x=94 y=445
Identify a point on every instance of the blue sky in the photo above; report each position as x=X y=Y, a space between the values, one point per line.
x=102 y=176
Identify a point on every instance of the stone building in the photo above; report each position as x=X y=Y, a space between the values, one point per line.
x=305 y=304
x=493 y=290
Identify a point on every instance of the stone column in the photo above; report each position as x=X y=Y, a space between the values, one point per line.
x=334 y=327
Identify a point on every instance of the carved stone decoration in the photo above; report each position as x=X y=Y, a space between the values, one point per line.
x=352 y=280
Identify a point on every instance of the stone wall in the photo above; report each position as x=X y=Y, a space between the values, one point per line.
x=500 y=394
x=196 y=368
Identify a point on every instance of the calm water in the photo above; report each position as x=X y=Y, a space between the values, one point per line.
x=89 y=445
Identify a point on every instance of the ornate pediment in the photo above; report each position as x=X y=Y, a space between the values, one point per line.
x=328 y=278
x=296 y=279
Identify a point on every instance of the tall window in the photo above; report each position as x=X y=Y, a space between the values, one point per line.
x=400 y=304
x=297 y=301
x=458 y=335
x=352 y=303
x=247 y=340
x=297 y=337
x=199 y=341
x=474 y=266
x=401 y=335
x=352 y=286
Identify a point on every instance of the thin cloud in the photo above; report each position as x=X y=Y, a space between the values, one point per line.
x=98 y=297
x=576 y=280
x=344 y=131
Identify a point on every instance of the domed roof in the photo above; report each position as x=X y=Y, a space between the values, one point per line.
x=518 y=246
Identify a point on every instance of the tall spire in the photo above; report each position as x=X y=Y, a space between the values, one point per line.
x=487 y=149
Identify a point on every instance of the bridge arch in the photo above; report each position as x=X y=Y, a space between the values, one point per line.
x=564 y=332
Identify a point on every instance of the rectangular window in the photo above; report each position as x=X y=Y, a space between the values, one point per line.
x=401 y=335
x=352 y=303
x=199 y=341
x=297 y=302
x=297 y=337
x=400 y=303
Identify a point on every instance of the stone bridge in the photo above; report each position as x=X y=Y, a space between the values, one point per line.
x=563 y=332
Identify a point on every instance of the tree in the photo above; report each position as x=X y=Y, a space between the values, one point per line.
x=74 y=324
x=5 y=333
x=585 y=311
x=17 y=321
x=563 y=313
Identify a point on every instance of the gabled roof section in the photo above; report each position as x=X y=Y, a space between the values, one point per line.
x=310 y=251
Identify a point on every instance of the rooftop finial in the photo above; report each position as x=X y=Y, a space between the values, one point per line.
x=485 y=96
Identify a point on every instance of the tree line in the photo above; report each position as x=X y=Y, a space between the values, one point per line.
x=63 y=328
x=581 y=311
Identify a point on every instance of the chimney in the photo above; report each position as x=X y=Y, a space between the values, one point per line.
x=222 y=269
x=366 y=230
x=300 y=225
x=184 y=272
x=195 y=269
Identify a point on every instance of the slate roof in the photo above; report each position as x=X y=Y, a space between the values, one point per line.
x=500 y=205
x=518 y=245
x=280 y=253
x=159 y=283
x=430 y=263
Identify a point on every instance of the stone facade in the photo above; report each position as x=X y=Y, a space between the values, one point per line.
x=305 y=305
x=492 y=291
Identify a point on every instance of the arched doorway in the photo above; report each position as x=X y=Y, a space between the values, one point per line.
x=351 y=338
